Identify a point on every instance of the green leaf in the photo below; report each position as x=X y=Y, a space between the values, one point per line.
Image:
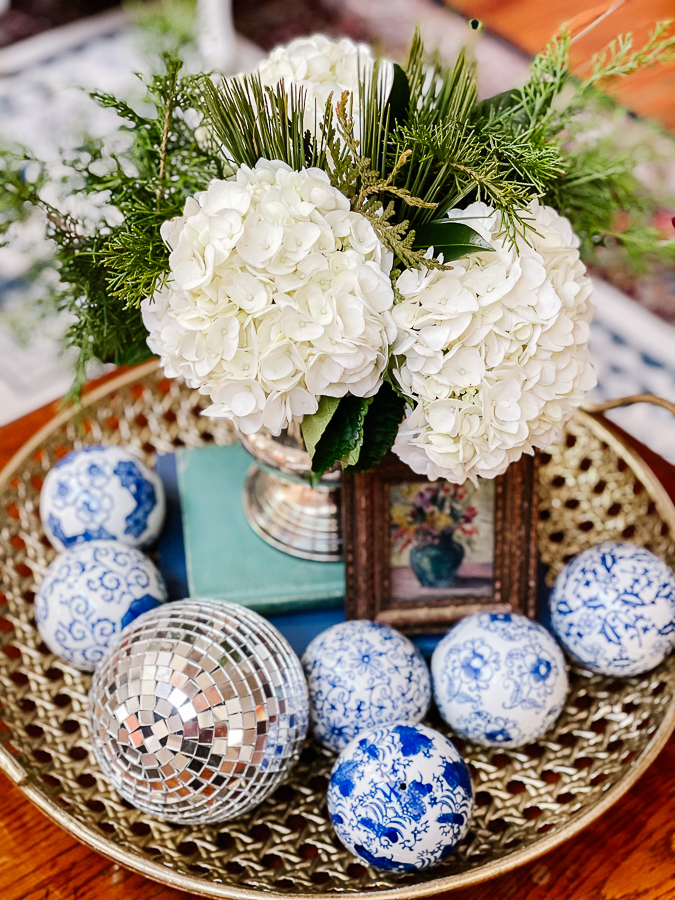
x=352 y=456
x=501 y=102
x=380 y=427
x=452 y=239
x=342 y=435
x=399 y=98
x=314 y=426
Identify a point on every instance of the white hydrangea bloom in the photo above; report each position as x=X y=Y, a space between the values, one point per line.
x=321 y=67
x=494 y=352
x=278 y=294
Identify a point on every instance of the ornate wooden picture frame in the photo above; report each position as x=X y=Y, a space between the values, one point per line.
x=423 y=590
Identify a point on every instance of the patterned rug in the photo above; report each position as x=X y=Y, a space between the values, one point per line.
x=45 y=106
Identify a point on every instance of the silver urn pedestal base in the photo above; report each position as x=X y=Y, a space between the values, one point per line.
x=280 y=504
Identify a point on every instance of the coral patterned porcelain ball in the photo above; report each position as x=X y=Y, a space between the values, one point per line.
x=89 y=594
x=101 y=493
x=361 y=674
x=613 y=609
x=400 y=797
x=199 y=712
x=499 y=679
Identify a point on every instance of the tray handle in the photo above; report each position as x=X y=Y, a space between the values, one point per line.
x=597 y=408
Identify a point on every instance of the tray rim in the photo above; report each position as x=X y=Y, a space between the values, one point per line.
x=220 y=891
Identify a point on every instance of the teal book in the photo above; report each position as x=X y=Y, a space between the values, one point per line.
x=225 y=559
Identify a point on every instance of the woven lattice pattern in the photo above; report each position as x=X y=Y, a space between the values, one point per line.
x=287 y=844
x=589 y=494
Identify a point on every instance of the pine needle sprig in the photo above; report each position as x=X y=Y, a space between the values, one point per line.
x=169 y=107
x=530 y=109
x=453 y=158
x=598 y=183
x=456 y=163
x=252 y=121
x=369 y=180
x=598 y=188
x=439 y=93
x=536 y=132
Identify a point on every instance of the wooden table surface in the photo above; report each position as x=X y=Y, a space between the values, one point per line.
x=628 y=854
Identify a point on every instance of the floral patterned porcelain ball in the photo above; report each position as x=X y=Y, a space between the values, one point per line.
x=101 y=493
x=613 y=609
x=499 y=679
x=361 y=674
x=89 y=594
x=199 y=712
x=400 y=797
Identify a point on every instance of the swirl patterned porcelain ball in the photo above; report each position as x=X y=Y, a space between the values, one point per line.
x=361 y=674
x=199 y=712
x=89 y=594
x=613 y=609
x=400 y=797
x=499 y=679
x=101 y=493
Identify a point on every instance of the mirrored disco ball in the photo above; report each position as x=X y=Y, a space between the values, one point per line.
x=199 y=712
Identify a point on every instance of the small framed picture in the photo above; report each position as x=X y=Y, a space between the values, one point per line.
x=421 y=554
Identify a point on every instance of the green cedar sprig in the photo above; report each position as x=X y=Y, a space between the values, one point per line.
x=591 y=182
x=106 y=270
x=619 y=59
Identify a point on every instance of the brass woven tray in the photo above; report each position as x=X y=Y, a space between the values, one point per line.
x=527 y=801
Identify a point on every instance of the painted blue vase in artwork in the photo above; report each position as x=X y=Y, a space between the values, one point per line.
x=436 y=522
x=436 y=563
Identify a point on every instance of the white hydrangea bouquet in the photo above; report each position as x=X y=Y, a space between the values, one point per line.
x=356 y=246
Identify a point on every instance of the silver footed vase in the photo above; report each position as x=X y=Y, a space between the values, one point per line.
x=281 y=505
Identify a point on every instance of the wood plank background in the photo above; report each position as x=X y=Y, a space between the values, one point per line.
x=530 y=23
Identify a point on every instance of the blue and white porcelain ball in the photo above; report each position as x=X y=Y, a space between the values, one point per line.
x=400 y=797
x=101 y=494
x=361 y=674
x=89 y=594
x=613 y=609
x=499 y=679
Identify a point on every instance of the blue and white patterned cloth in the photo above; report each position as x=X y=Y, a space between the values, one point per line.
x=633 y=352
x=400 y=797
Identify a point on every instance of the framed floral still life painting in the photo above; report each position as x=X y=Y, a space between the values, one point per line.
x=421 y=554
